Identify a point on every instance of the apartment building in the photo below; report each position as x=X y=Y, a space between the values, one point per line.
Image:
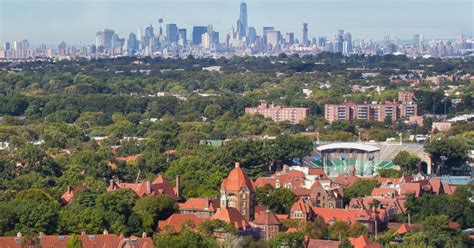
x=279 y=113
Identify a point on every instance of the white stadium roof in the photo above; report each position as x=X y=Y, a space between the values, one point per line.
x=348 y=146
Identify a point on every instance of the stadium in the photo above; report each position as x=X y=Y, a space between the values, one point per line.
x=366 y=158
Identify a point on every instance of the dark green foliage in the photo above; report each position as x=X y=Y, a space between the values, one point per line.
x=360 y=188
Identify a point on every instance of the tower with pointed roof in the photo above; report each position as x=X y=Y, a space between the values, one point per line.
x=237 y=191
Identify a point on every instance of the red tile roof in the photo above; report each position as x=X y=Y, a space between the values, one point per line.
x=384 y=192
x=301 y=192
x=405 y=228
x=266 y=218
x=321 y=243
x=363 y=242
x=237 y=179
x=282 y=216
x=448 y=189
x=302 y=206
x=200 y=204
x=68 y=195
x=436 y=185
x=365 y=202
x=414 y=188
x=88 y=240
x=262 y=181
x=345 y=180
x=162 y=186
x=176 y=221
x=260 y=208
x=339 y=214
x=318 y=172
x=231 y=216
x=159 y=186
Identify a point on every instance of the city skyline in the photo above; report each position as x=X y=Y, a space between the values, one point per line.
x=50 y=22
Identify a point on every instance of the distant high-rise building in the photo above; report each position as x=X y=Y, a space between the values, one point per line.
x=172 y=33
x=182 y=37
x=149 y=31
x=132 y=42
x=197 y=34
x=104 y=38
x=416 y=39
x=17 y=45
x=25 y=44
x=6 y=46
x=347 y=45
x=305 y=34
x=266 y=30
x=290 y=38
x=386 y=39
x=273 y=38
x=252 y=35
x=322 y=41
x=243 y=21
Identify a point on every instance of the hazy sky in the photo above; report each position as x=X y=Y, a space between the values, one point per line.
x=76 y=21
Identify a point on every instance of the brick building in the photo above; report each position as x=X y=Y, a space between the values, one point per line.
x=237 y=191
x=279 y=113
x=370 y=112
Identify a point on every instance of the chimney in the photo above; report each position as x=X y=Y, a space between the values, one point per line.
x=237 y=165
x=111 y=183
x=105 y=232
x=178 y=186
x=144 y=235
x=18 y=234
x=148 y=186
x=285 y=168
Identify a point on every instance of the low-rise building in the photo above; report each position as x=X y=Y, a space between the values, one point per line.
x=279 y=113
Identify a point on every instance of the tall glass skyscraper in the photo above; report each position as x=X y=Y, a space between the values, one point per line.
x=243 y=20
x=197 y=34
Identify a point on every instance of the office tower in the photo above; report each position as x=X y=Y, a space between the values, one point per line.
x=25 y=44
x=252 y=35
x=104 y=38
x=416 y=39
x=243 y=21
x=6 y=46
x=172 y=33
x=215 y=37
x=206 y=40
x=132 y=42
x=182 y=37
x=16 y=45
x=266 y=30
x=387 y=39
x=273 y=38
x=149 y=31
x=347 y=46
x=197 y=34
x=305 y=34
x=290 y=38
x=322 y=41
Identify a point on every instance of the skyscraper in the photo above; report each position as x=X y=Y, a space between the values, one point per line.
x=305 y=34
x=416 y=39
x=252 y=35
x=289 y=38
x=273 y=38
x=197 y=34
x=104 y=38
x=182 y=37
x=347 y=45
x=243 y=21
x=6 y=46
x=172 y=33
x=132 y=42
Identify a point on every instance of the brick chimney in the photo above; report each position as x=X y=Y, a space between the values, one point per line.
x=237 y=165
x=178 y=186
x=148 y=186
x=105 y=232
x=144 y=235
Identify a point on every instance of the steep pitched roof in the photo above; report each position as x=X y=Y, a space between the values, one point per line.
x=364 y=203
x=302 y=206
x=345 y=180
x=363 y=242
x=448 y=189
x=413 y=187
x=231 y=216
x=266 y=218
x=262 y=181
x=200 y=204
x=162 y=186
x=404 y=228
x=322 y=243
x=68 y=195
x=237 y=179
x=436 y=185
x=260 y=208
x=176 y=221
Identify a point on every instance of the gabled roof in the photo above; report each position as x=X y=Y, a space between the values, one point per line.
x=237 y=179
x=159 y=186
x=363 y=242
x=231 y=216
x=302 y=206
x=318 y=172
x=262 y=181
x=413 y=187
x=68 y=195
x=301 y=192
x=260 y=208
x=448 y=189
x=436 y=185
x=162 y=186
x=266 y=218
x=176 y=221
x=364 y=203
x=322 y=243
x=345 y=180
x=200 y=204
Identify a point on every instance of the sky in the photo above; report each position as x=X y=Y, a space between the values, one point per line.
x=77 y=21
